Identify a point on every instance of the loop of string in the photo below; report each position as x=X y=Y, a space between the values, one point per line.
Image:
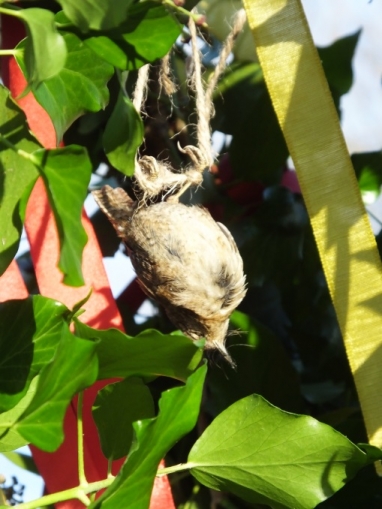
x=154 y=177
x=165 y=77
x=141 y=88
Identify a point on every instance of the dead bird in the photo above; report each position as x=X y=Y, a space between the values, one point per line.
x=184 y=260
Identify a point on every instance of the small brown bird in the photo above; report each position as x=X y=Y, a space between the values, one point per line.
x=183 y=259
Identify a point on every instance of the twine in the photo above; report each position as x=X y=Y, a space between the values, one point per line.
x=165 y=77
x=155 y=177
x=238 y=24
x=141 y=88
x=202 y=108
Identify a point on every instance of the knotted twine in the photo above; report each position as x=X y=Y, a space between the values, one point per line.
x=156 y=177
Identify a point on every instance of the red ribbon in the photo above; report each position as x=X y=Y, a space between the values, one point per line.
x=59 y=469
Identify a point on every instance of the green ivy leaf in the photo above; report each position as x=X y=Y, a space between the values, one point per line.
x=362 y=492
x=148 y=354
x=73 y=368
x=111 y=50
x=66 y=173
x=337 y=63
x=31 y=330
x=45 y=48
x=22 y=461
x=178 y=413
x=373 y=453
x=78 y=307
x=123 y=136
x=96 y=14
x=17 y=175
x=368 y=168
x=219 y=15
x=80 y=87
x=267 y=456
x=10 y=438
x=115 y=409
x=147 y=35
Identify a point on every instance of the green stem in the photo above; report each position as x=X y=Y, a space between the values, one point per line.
x=79 y=493
x=109 y=467
x=122 y=78
x=7 y=52
x=22 y=153
x=80 y=438
x=84 y=489
x=185 y=12
x=11 y=10
x=84 y=499
x=174 y=468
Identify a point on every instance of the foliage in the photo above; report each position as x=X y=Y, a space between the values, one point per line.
x=213 y=425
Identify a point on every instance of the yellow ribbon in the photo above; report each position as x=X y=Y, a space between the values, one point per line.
x=306 y=113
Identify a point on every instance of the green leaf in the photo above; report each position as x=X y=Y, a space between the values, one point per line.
x=30 y=332
x=10 y=438
x=219 y=15
x=178 y=413
x=22 y=461
x=147 y=35
x=244 y=110
x=66 y=173
x=45 y=49
x=123 y=135
x=148 y=354
x=373 y=453
x=115 y=51
x=368 y=168
x=73 y=368
x=262 y=367
x=337 y=63
x=362 y=492
x=17 y=175
x=96 y=14
x=115 y=409
x=80 y=87
x=78 y=308
x=271 y=457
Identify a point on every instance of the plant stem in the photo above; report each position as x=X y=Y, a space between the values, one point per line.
x=11 y=10
x=22 y=153
x=109 y=467
x=84 y=489
x=7 y=52
x=80 y=439
x=79 y=493
x=84 y=498
x=174 y=468
x=185 y=12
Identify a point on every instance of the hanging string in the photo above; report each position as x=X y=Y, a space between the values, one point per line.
x=141 y=88
x=165 y=77
x=203 y=126
x=155 y=177
x=238 y=24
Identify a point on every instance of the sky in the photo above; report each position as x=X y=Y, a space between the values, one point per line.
x=362 y=107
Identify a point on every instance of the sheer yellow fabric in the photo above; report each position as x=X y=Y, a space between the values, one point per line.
x=304 y=107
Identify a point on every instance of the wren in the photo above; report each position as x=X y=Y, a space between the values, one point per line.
x=183 y=259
